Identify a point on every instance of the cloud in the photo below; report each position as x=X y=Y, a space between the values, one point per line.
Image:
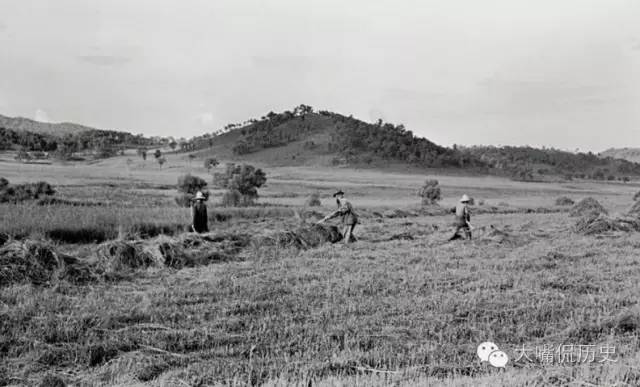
x=105 y=60
x=41 y=116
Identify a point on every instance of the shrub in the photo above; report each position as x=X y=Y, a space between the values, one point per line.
x=314 y=200
x=190 y=184
x=430 y=192
x=636 y=197
x=564 y=201
x=210 y=162
x=21 y=192
x=243 y=180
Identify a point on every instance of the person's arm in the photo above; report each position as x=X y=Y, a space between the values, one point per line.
x=206 y=218
x=331 y=216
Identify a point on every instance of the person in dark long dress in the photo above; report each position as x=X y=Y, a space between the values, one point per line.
x=200 y=222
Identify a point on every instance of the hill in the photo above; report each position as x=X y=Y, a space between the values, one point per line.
x=305 y=137
x=64 y=139
x=57 y=129
x=629 y=154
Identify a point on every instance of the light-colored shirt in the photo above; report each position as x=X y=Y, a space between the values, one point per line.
x=462 y=213
x=345 y=209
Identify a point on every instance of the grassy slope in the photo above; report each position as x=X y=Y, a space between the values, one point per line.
x=292 y=154
x=631 y=154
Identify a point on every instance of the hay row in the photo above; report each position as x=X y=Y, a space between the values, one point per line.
x=602 y=223
x=38 y=262
x=587 y=207
x=304 y=237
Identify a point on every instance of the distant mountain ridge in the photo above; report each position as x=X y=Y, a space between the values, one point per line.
x=629 y=154
x=29 y=125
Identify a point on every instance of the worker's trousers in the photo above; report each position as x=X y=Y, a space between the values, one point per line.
x=347 y=233
x=461 y=227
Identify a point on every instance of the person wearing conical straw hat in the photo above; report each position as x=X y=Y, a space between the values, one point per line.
x=462 y=218
x=200 y=222
x=349 y=217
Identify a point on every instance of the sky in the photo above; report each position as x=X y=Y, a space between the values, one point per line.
x=555 y=73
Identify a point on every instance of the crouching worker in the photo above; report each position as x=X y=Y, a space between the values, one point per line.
x=199 y=220
x=349 y=217
x=463 y=219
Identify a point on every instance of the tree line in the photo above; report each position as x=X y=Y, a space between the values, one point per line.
x=103 y=143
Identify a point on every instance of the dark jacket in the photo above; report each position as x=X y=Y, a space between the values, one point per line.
x=199 y=218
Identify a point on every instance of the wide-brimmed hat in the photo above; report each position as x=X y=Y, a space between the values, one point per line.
x=200 y=196
x=464 y=198
x=338 y=193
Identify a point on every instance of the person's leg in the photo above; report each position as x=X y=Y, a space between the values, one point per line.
x=467 y=232
x=352 y=238
x=347 y=234
x=456 y=234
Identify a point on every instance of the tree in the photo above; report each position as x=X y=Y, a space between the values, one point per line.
x=157 y=154
x=430 y=192
x=142 y=153
x=173 y=145
x=210 y=162
x=191 y=184
x=241 y=182
x=161 y=160
x=188 y=185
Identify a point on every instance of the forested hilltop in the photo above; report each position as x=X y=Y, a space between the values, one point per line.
x=351 y=141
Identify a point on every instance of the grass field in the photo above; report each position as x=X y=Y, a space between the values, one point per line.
x=399 y=307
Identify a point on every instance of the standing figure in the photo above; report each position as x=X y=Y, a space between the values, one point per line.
x=199 y=220
x=349 y=217
x=463 y=219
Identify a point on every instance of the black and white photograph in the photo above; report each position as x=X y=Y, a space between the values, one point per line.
x=319 y=193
